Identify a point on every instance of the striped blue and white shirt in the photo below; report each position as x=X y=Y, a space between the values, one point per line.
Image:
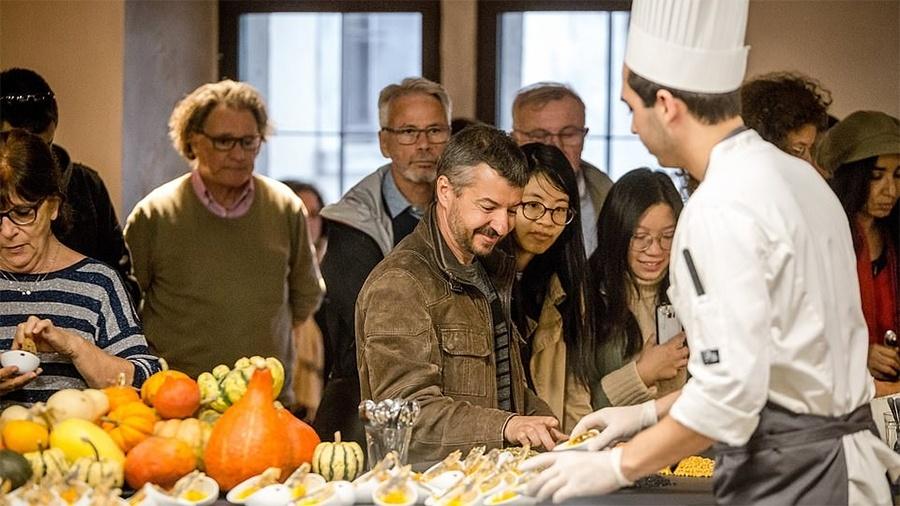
x=87 y=299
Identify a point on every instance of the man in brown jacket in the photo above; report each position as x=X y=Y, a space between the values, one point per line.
x=433 y=321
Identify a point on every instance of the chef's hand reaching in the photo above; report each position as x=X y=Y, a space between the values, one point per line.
x=884 y=362
x=616 y=423
x=575 y=474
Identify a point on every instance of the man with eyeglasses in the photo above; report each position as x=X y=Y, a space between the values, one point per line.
x=368 y=221
x=222 y=254
x=27 y=102
x=552 y=113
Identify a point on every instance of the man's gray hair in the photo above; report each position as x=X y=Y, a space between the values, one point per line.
x=479 y=144
x=409 y=86
x=191 y=112
x=539 y=94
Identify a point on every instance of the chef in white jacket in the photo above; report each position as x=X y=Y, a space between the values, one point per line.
x=763 y=278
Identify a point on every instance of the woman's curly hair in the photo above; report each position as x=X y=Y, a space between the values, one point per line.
x=780 y=102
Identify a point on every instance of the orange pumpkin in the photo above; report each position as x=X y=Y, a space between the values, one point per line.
x=303 y=439
x=120 y=393
x=151 y=386
x=130 y=424
x=249 y=438
x=158 y=460
x=177 y=398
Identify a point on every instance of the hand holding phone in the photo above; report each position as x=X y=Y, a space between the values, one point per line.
x=667 y=323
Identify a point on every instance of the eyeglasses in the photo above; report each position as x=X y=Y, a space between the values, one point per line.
x=409 y=135
x=227 y=143
x=642 y=242
x=534 y=210
x=568 y=136
x=22 y=215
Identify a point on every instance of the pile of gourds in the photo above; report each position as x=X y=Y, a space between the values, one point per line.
x=228 y=425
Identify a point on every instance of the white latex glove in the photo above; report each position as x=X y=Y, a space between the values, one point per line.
x=616 y=423
x=575 y=474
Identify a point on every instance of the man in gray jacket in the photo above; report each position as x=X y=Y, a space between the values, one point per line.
x=368 y=221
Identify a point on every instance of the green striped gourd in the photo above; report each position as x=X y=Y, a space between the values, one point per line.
x=338 y=460
x=222 y=387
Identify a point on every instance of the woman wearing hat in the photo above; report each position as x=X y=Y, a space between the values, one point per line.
x=863 y=151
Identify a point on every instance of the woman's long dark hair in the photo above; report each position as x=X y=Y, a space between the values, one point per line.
x=566 y=259
x=628 y=199
x=851 y=183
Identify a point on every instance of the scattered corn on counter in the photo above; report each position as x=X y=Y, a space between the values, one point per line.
x=692 y=467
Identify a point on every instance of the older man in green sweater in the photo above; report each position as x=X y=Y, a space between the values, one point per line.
x=222 y=254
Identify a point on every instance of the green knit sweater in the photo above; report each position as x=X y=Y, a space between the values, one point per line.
x=216 y=289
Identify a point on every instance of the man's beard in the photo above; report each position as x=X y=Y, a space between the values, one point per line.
x=465 y=239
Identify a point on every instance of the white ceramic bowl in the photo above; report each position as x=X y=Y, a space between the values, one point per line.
x=24 y=360
x=205 y=485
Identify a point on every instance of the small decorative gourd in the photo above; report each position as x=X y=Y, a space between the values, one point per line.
x=14 y=471
x=97 y=471
x=130 y=424
x=120 y=393
x=158 y=460
x=223 y=387
x=151 y=386
x=49 y=463
x=193 y=432
x=338 y=460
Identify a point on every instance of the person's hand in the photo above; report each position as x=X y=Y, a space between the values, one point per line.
x=616 y=423
x=662 y=361
x=575 y=474
x=11 y=380
x=884 y=362
x=47 y=337
x=536 y=431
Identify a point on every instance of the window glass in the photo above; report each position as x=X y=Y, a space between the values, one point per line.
x=320 y=74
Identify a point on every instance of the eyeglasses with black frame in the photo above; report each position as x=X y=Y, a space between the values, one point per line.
x=568 y=136
x=534 y=210
x=227 y=143
x=642 y=242
x=22 y=215
x=410 y=135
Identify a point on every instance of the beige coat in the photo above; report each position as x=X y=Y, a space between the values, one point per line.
x=568 y=398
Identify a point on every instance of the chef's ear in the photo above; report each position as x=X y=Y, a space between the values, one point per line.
x=668 y=108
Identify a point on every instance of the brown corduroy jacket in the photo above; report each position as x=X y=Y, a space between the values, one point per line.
x=424 y=332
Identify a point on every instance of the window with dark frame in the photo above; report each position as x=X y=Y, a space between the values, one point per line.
x=320 y=65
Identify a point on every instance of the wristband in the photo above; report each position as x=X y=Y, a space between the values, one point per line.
x=615 y=459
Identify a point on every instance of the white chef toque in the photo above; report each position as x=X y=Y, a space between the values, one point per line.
x=689 y=45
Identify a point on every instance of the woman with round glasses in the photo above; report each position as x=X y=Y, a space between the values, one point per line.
x=550 y=294
x=73 y=309
x=631 y=270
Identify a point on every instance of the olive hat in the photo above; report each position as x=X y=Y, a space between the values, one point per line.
x=861 y=135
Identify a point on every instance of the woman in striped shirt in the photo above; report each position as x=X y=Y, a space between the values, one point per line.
x=75 y=309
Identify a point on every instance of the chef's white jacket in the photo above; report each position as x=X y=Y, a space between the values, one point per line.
x=781 y=318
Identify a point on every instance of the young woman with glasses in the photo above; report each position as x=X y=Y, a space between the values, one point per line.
x=551 y=290
x=631 y=271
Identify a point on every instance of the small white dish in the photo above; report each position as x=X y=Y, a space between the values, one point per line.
x=508 y=497
x=404 y=494
x=577 y=443
x=24 y=360
x=203 y=491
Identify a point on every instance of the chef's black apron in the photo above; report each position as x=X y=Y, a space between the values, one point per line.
x=790 y=459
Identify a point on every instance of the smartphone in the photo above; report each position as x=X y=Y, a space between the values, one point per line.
x=667 y=323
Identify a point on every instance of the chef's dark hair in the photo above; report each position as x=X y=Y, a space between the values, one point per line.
x=710 y=108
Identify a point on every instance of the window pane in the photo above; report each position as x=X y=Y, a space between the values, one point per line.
x=321 y=74
x=568 y=47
